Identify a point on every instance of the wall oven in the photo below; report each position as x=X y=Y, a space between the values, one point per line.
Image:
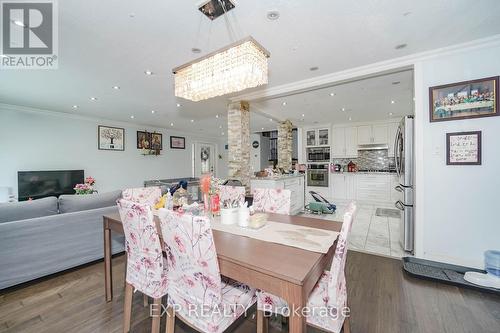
x=317 y=175
x=318 y=154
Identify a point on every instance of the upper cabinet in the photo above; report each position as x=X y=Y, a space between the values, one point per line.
x=372 y=134
x=344 y=142
x=317 y=137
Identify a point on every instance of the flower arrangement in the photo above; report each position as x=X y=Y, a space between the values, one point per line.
x=86 y=187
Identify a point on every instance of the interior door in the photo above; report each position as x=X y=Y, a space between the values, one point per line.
x=204 y=159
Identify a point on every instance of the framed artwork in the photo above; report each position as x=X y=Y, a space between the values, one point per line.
x=463 y=148
x=110 y=138
x=143 y=140
x=156 y=141
x=464 y=100
x=177 y=142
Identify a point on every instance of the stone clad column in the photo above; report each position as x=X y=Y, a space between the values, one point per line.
x=285 y=140
x=238 y=134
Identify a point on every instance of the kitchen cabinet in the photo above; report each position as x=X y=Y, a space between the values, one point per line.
x=392 y=128
x=317 y=137
x=372 y=134
x=373 y=187
x=343 y=186
x=344 y=142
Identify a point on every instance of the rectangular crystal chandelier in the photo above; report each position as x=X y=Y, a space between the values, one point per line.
x=234 y=68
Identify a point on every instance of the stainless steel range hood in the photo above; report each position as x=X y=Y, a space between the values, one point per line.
x=374 y=146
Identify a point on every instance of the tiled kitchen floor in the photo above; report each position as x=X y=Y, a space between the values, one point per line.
x=370 y=233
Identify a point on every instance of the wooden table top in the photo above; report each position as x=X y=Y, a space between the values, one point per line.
x=281 y=261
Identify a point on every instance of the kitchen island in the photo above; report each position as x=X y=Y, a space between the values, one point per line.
x=294 y=183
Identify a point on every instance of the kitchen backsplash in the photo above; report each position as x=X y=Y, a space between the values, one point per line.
x=369 y=159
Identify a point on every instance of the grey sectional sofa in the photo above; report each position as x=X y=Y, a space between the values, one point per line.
x=49 y=235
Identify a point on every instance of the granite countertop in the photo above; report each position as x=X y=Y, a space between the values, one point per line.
x=280 y=177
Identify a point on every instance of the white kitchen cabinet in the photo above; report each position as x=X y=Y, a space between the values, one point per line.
x=339 y=186
x=344 y=142
x=379 y=134
x=317 y=137
x=392 y=128
x=351 y=142
x=373 y=187
x=364 y=135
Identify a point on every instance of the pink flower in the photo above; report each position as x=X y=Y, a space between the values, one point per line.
x=180 y=246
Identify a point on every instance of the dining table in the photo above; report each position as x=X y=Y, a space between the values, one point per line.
x=285 y=271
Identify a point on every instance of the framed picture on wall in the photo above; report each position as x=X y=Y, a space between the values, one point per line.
x=110 y=138
x=464 y=100
x=143 y=140
x=177 y=142
x=156 y=141
x=463 y=148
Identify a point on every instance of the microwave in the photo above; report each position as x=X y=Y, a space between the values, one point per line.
x=318 y=154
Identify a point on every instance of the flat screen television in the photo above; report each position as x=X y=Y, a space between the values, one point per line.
x=41 y=184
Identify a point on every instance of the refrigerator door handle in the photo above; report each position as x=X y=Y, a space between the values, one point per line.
x=399 y=205
x=396 y=151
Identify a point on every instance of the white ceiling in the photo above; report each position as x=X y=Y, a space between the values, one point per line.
x=102 y=46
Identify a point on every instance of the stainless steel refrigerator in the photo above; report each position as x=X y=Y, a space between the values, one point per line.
x=403 y=152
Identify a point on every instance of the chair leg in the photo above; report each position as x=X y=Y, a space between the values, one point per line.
x=127 y=307
x=155 y=322
x=170 y=326
x=145 y=300
x=262 y=322
x=346 y=327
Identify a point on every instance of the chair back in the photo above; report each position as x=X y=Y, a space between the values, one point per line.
x=193 y=268
x=145 y=195
x=272 y=200
x=232 y=193
x=145 y=266
x=336 y=284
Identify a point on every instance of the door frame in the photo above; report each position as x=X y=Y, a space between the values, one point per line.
x=193 y=156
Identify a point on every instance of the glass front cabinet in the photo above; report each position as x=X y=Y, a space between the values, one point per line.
x=317 y=137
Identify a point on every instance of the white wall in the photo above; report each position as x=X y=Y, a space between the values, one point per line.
x=457 y=206
x=51 y=141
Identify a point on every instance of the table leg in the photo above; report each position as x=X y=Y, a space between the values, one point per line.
x=108 y=274
x=296 y=301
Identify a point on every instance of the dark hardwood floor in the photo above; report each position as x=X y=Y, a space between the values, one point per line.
x=382 y=299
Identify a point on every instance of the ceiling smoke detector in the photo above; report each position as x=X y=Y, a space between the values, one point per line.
x=215 y=8
x=196 y=50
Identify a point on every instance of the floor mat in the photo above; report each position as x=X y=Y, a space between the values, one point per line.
x=388 y=212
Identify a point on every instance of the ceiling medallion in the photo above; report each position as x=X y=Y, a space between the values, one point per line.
x=236 y=67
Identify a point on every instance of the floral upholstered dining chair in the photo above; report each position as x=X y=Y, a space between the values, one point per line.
x=232 y=193
x=146 y=266
x=272 y=200
x=197 y=294
x=145 y=195
x=327 y=303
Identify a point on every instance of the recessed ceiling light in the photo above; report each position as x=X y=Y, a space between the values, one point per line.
x=343 y=109
x=172 y=124
x=116 y=87
x=414 y=99
x=192 y=120
x=75 y=106
x=332 y=94
x=220 y=126
x=178 y=105
x=216 y=116
x=270 y=119
x=148 y=72
x=400 y=46
x=390 y=113
x=222 y=133
x=303 y=115
x=350 y=118
x=392 y=102
x=196 y=50
x=132 y=117
x=396 y=82
x=284 y=103
x=153 y=111
x=19 y=23
x=314 y=68
x=262 y=128
x=273 y=15
x=93 y=98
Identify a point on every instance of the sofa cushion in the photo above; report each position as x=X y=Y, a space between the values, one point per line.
x=69 y=203
x=15 y=211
